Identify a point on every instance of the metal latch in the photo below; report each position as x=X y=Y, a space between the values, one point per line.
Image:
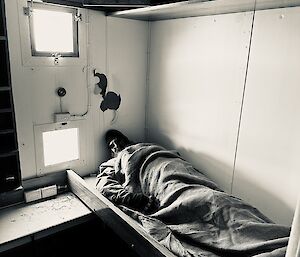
x=56 y=58
x=78 y=16
x=27 y=11
x=10 y=179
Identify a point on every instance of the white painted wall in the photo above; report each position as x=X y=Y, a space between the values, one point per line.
x=267 y=168
x=34 y=87
x=127 y=68
x=197 y=70
x=196 y=79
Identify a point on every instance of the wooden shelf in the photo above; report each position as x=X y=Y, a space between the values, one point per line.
x=5 y=110
x=37 y=220
x=123 y=225
x=5 y=88
x=6 y=131
x=11 y=153
x=195 y=8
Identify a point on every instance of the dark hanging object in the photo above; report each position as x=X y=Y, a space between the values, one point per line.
x=102 y=84
x=110 y=100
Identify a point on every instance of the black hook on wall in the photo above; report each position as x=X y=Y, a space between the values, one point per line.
x=110 y=100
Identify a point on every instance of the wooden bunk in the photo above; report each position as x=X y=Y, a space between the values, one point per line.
x=123 y=225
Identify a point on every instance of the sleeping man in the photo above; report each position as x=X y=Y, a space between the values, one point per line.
x=110 y=180
x=180 y=207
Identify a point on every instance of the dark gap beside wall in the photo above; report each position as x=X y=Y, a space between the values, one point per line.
x=88 y=239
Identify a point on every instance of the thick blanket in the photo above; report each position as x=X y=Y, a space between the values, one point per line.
x=193 y=217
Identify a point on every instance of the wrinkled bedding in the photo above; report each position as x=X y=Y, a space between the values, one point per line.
x=193 y=216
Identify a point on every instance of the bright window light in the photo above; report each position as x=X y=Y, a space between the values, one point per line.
x=60 y=146
x=53 y=31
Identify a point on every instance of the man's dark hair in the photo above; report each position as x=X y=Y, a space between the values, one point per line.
x=115 y=134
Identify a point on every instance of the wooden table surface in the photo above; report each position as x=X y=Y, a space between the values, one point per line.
x=21 y=222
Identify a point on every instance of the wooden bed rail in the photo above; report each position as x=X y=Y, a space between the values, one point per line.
x=123 y=225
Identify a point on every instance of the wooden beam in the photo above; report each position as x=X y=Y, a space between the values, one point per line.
x=107 y=3
x=123 y=225
x=195 y=8
x=74 y=3
x=108 y=8
x=116 y=2
x=26 y=222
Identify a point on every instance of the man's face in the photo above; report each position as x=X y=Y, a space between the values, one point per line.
x=114 y=147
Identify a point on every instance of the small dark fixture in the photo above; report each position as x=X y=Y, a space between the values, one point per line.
x=61 y=92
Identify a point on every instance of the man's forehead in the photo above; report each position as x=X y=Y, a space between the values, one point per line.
x=113 y=140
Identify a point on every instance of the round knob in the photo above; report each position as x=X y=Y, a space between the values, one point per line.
x=61 y=92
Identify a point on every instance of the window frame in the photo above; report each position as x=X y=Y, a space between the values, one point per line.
x=39 y=147
x=60 y=130
x=42 y=61
x=73 y=11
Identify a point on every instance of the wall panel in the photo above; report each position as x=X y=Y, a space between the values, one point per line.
x=267 y=167
x=126 y=68
x=197 y=71
x=113 y=46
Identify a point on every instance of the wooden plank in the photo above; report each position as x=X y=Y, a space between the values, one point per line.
x=116 y=2
x=5 y=88
x=293 y=248
x=44 y=233
x=11 y=153
x=40 y=219
x=6 y=131
x=123 y=225
x=195 y=8
x=5 y=110
x=15 y=243
x=61 y=227
x=102 y=3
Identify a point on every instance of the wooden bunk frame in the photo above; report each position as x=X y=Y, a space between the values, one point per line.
x=123 y=225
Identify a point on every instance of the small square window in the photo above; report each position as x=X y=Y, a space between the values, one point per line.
x=60 y=146
x=53 y=31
